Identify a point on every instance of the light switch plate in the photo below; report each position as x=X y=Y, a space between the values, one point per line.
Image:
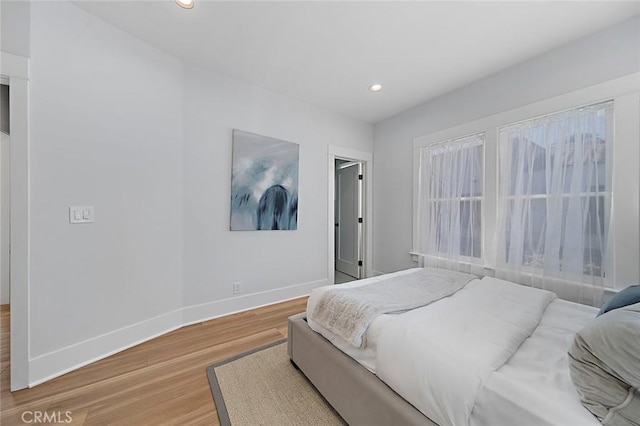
x=80 y=214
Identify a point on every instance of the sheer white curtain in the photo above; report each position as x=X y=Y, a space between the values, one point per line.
x=450 y=203
x=555 y=201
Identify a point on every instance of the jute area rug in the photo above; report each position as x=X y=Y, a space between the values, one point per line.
x=261 y=387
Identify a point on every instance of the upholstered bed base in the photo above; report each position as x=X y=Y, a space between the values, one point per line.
x=356 y=393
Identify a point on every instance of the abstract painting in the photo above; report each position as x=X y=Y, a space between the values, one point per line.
x=264 y=183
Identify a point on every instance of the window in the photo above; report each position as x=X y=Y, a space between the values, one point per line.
x=554 y=195
x=559 y=197
x=451 y=192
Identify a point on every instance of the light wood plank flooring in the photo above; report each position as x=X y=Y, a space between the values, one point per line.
x=159 y=382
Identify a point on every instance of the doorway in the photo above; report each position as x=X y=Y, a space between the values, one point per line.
x=5 y=180
x=14 y=73
x=348 y=220
x=349 y=247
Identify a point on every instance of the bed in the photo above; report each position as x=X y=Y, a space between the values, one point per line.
x=479 y=352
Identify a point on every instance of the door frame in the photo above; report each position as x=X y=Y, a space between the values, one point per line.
x=5 y=212
x=366 y=158
x=16 y=70
x=358 y=239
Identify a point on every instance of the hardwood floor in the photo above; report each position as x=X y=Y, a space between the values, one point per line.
x=159 y=382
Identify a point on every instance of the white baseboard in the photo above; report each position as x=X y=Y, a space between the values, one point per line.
x=53 y=364
x=218 y=308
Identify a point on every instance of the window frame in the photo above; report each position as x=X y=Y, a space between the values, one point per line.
x=624 y=247
x=606 y=194
x=481 y=198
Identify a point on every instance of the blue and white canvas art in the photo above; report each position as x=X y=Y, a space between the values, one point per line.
x=264 y=183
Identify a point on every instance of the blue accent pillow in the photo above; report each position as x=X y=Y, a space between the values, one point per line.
x=626 y=297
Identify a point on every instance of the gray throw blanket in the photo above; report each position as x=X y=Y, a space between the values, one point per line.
x=348 y=312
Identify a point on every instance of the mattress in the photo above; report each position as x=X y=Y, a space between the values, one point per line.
x=533 y=387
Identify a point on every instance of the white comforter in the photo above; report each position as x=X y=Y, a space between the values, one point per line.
x=534 y=388
x=438 y=357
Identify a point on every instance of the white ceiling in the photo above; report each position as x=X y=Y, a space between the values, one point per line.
x=328 y=52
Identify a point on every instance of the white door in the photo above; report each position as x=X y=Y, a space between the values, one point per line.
x=347 y=218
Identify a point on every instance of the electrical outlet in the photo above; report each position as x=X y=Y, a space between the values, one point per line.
x=79 y=214
x=236 y=288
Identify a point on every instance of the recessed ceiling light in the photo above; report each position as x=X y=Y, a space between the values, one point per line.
x=375 y=87
x=186 y=4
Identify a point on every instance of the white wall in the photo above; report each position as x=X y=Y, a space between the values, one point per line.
x=600 y=57
x=272 y=266
x=14 y=39
x=105 y=131
x=146 y=140
x=14 y=27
